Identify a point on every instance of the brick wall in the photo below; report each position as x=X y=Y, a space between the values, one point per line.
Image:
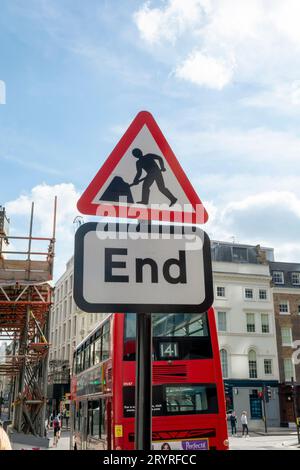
x=291 y=320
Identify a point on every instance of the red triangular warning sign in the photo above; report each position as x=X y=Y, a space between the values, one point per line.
x=143 y=179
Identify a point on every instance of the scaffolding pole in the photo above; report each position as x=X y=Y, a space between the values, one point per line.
x=25 y=300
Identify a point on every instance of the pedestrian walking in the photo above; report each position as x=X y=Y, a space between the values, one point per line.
x=233 y=422
x=4 y=440
x=244 y=421
x=56 y=430
x=46 y=426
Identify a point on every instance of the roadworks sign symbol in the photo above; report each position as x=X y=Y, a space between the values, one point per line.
x=143 y=179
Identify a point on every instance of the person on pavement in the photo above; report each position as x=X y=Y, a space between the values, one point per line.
x=233 y=422
x=244 y=421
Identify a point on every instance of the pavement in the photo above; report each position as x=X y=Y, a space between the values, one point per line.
x=63 y=442
x=257 y=441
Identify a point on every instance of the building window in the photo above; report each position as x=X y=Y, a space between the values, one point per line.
x=296 y=279
x=224 y=362
x=239 y=254
x=288 y=370
x=286 y=336
x=278 y=277
x=220 y=291
x=222 y=323
x=255 y=406
x=265 y=327
x=250 y=323
x=268 y=366
x=284 y=307
x=248 y=293
x=252 y=364
x=262 y=294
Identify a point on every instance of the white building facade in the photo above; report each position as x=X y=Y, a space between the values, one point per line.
x=246 y=330
x=69 y=325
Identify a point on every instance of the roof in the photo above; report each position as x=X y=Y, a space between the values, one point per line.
x=287 y=269
x=237 y=253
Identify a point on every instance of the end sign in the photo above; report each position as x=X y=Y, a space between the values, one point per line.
x=142 y=268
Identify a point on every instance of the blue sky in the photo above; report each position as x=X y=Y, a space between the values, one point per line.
x=222 y=78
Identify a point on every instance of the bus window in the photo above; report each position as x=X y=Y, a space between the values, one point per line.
x=184 y=324
x=92 y=361
x=93 y=418
x=103 y=422
x=78 y=417
x=186 y=399
x=97 y=350
x=87 y=357
x=96 y=419
x=81 y=360
x=181 y=336
x=105 y=342
x=171 y=400
x=78 y=362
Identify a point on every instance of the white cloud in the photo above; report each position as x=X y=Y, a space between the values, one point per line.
x=261 y=37
x=269 y=218
x=169 y=22
x=204 y=70
x=43 y=197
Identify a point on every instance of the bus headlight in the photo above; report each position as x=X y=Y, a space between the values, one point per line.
x=226 y=442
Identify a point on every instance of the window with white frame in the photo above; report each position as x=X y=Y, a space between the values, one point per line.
x=283 y=307
x=286 y=336
x=220 y=291
x=250 y=323
x=252 y=364
x=248 y=293
x=222 y=321
x=278 y=277
x=265 y=326
x=262 y=294
x=224 y=362
x=296 y=279
x=268 y=366
x=288 y=369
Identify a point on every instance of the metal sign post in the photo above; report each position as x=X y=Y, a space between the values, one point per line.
x=265 y=412
x=143 y=388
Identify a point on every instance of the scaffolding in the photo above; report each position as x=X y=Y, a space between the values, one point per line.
x=25 y=300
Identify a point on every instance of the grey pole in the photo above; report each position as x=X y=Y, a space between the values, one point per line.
x=143 y=387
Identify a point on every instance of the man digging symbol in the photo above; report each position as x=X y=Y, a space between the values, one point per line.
x=148 y=164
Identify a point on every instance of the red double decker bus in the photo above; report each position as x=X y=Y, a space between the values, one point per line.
x=188 y=404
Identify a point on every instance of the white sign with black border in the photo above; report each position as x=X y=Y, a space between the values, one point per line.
x=142 y=268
